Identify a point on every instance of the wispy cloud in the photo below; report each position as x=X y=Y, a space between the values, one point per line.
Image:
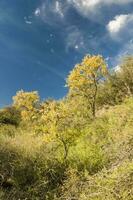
x=126 y=49
x=115 y=27
x=58 y=9
x=74 y=39
x=27 y=20
x=87 y=7
x=51 y=12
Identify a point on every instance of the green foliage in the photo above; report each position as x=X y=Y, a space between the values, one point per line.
x=125 y=73
x=112 y=139
x=28 y=104
x=87 y=157
x=118 y=85
x=112 y=91
x=56 y=150
x=84 y=79
x=10 y=115
x=7 y=130
x=113 y=184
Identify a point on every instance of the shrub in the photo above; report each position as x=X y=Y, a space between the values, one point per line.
x=10 y=115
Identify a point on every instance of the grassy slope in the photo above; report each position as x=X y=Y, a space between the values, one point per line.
x=108 y=145
x=99 y=165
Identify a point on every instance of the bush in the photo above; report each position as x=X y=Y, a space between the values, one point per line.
x=10 y=115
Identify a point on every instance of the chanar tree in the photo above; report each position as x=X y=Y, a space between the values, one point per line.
x=85 y=77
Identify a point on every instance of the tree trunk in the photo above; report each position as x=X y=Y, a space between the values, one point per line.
x=93 y=105
x=65 y=148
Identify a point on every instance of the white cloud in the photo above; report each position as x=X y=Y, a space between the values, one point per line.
x=56 y=9
x=117 y=24
x=93 y=3
x=85 y=7
x=121 y=26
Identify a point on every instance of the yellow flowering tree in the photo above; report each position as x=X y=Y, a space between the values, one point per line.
x=27 y=103
x=85 y=77
x=58 y=123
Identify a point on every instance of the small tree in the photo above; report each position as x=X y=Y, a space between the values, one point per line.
x=58 y=123
x=126 y=74
x=85 y=77
x=27 y=103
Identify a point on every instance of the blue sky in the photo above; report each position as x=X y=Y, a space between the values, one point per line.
x=41 y=41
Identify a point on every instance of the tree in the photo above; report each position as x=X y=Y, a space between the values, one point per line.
x=85 y=77
x=126 y=74
x=27 y=103
x=111 y=92
x=59 y=123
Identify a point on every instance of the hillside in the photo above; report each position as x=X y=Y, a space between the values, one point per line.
x=66 y=150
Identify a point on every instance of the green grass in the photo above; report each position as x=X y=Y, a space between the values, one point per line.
x=99 y=165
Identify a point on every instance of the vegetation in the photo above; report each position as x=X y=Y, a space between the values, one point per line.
x=76 y=148
x=84 y=79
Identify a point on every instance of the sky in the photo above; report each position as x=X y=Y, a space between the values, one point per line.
x=42 y=40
